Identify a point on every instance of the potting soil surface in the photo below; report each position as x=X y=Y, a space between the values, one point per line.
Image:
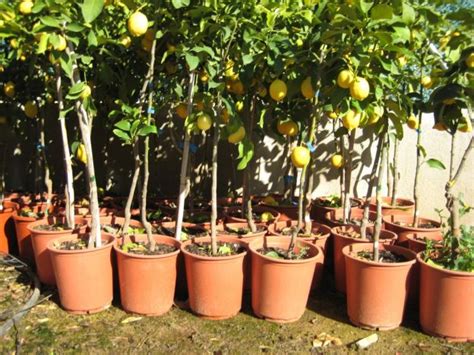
x=48 y=329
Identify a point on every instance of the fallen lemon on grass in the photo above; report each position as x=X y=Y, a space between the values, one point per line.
x=351 y=120
x=337 y=161
x=300 y=156
x=288 y=128
x=345 y=79
x=204 y=122
x=278 y=90
x=237 y=136
x=413 y=122
x=31 y=109
x=137 y=24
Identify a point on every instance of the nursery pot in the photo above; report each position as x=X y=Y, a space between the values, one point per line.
x=318 y=210
x=417 y=241
x=377 y=292
x=147 y=282
x=215 y=284
x=287 y=211
x=341 y=240
x=322 y=241
x=233 y=217
x=280 y=288
x=334 y=218
x=446 y=302
x=39 y=242
x=7 y=227
x=401 y=225
x=249 y=237
x=402 y=206
x=23 y=235
x=83 y=277
x=114 y=220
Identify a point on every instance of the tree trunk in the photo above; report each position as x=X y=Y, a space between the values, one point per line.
x=215 y=143
x=69 y=188
x=419 y=161
x=380 y=179
x=395 y=172
x=133 y=187
x=3 y=156
x=184 y=180
x=47 y=175
x=370 y=187
x=248 y=180
x=347 y=179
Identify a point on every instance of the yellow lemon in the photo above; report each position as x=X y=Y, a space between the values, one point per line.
x=402 y=60
x=413 y=122
x=332 y=114
x=278 y=90
x=14 y=43
x=61 y=45
x=300 y=156
x=237 y=87
x=466 y=126
x=125 y=41
x=203 y=76
x=266 y=217
x=375 y=115
x=337 y=160
x=345 y=79
x=229 y=71
x=25 y=7
x=204 y=122
x=86 y=92
x=182 y=110
x=9 y=89
x=351 y=120
x=288 y=128
x=262 y=91
x=299 y=43
x=81 y=153
x=269 y=200
x=307 y=88
x=427 y=82
x=137 y=24
x=359 y=88
x=470 y=60
x=237 y=136
x=239 y=106
x=31 y=109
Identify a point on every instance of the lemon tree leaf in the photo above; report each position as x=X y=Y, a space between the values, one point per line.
x=435 y=164
x=91 y=9
x=192 y=61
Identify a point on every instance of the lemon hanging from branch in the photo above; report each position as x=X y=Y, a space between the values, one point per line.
x=237 y=136
x=345 y=79
x=204 y=122
x=300 y=156
x=307 y=88
x=278 y=90
x=351 y=120
x=359 y=88
x=137 y=24
x=81 y=153
x=31 y=109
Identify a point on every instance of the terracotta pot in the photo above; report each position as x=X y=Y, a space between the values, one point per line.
x=247 y=237
x=169 y=229
x=114 y=220
x=147 y=282
x=215 y=284
x=280 y=288
x=334 y=218
x=341 y=241
x=23 y=235
x=318 y=211
x=321 y=241
x=287 y=212
x=446 y=302
x=40 y=240
x=7 y=227
x=84 y=277
x=392 y=223
x=416 y=241
x=402 y=206
x=232 y=212
x=377 y=292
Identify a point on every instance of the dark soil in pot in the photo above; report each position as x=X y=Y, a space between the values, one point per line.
x=141 y=248
x=385 y=256
x=280 y=253
x=223 y=249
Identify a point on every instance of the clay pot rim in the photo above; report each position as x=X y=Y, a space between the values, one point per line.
x=150 y=257
x=253 y=250
x=12 y=206
x=215 y=258
x=52 y=249
x=19 y=218
x=314 y=202
x=388 y=220
x=467 y=274
x=314 y=225
x=365 y=241
x=412 y=261
x=30 y=227
x=408 y=203
x=246 y=236
x=411 y=236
